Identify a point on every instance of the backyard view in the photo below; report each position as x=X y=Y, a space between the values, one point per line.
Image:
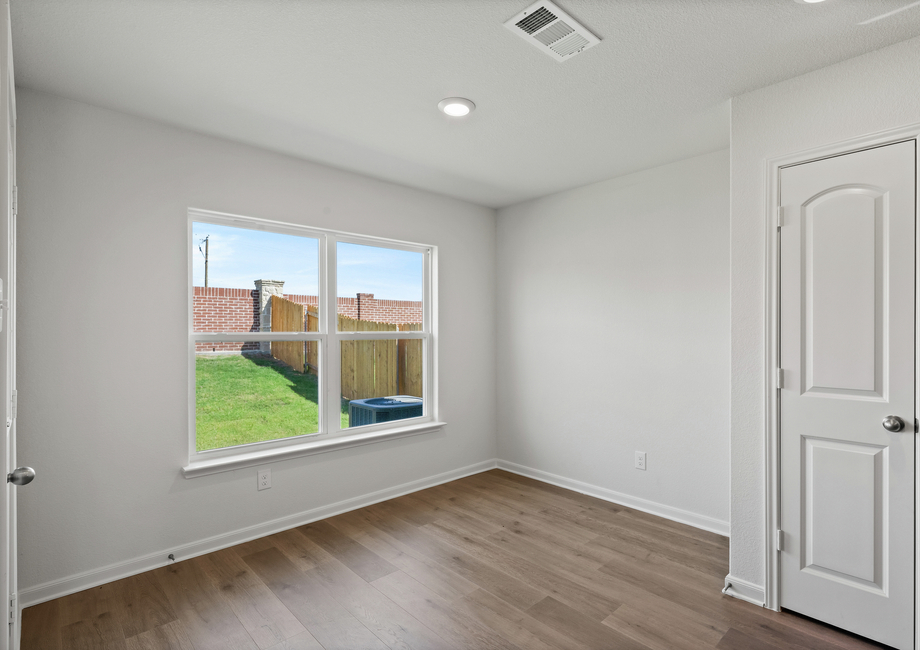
x=250 y=391
x=241 y=399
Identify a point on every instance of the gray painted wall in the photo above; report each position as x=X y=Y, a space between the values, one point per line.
x=613 y=334
x=102 y=246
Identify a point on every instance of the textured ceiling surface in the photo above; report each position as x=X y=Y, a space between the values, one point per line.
x=355 y=83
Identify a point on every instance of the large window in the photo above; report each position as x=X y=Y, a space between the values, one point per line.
x=303 y=340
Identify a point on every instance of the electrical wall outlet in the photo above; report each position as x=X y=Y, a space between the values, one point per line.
x=640 y=460
x=265 y=478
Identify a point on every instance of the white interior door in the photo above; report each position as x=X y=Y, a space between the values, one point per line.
x=847 y=256
x=7 y=332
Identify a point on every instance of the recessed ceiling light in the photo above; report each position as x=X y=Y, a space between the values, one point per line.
x=808 y=2
x=456 y=106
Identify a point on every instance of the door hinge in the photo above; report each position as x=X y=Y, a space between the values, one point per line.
x=15 y=205
x=781 y=217
x=779 y=540
x=14 y=404
x=12 y=608
x=780 y=378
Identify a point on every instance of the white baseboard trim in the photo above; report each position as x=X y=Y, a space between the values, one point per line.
x=651 y=507
x=744 y=590
x=117 y=571
x=88 y=579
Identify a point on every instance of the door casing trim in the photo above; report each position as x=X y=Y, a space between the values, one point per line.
x=771 y=472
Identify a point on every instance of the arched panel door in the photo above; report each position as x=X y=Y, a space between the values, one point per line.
x=847 y=436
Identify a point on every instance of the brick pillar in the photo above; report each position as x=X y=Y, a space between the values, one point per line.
x=267 y=289
x=366 y=306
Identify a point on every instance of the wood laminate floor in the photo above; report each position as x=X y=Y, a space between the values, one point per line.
x=492 y=561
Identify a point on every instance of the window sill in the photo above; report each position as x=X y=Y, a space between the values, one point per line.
x=250 y=459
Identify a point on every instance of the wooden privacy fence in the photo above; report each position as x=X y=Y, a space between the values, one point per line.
x=409 y=352
x=380 y=368
x=369 y=368
x=287 y=316
x=312 y=353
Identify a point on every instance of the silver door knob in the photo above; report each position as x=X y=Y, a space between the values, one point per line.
x=893 y=423
x=21 y=476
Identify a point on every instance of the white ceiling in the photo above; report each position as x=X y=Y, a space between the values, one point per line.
x=355 y=83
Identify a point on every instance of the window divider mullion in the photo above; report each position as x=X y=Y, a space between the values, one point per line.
x=322 y=360
x=332 y=373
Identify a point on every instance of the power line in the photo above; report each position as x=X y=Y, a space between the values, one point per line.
x=205 y=253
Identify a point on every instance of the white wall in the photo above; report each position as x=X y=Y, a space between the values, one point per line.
x=613 y=326
x=103 y=339
x=860 y=96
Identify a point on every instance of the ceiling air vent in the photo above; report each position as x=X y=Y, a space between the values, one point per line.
x=546 y=26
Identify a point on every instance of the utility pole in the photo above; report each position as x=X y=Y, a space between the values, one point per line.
x=205 y=252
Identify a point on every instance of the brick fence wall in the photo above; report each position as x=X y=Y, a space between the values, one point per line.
x=217 y=309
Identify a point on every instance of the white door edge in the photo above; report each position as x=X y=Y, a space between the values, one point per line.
x=15 y=613
x=771 y=359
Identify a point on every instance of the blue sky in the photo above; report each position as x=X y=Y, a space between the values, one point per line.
x=237 y=257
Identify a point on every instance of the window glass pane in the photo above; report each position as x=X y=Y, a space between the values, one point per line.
x=381 y=381
x=252 y=280
x=378 y=285
x=249 y=392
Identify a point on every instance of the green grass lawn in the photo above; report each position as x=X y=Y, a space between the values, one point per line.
x=242 y=399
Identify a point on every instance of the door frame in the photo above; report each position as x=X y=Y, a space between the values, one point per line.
x=8 y=95
x=771 y=348
x=9 y=315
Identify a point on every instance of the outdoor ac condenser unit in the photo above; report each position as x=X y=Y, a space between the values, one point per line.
x=383 y=409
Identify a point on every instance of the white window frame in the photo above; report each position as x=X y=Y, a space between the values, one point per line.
x=330 y=435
